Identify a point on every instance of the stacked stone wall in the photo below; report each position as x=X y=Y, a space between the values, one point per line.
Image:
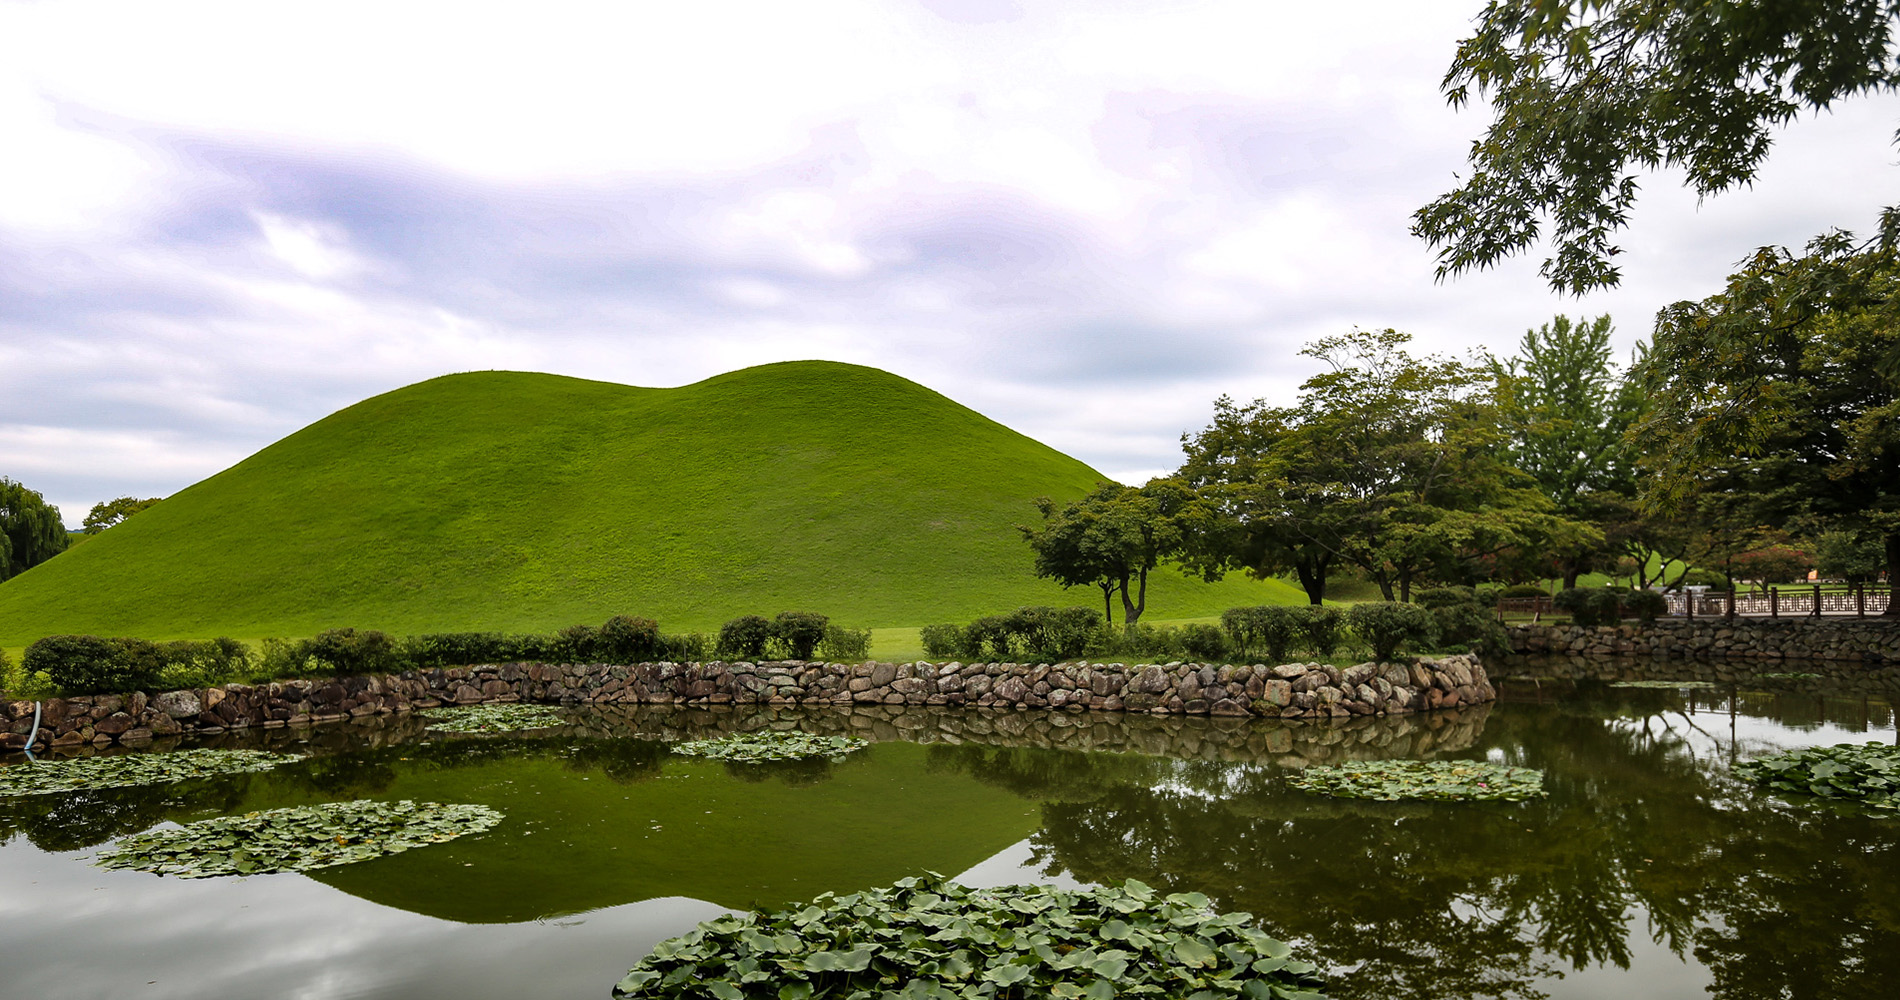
x=1292 y=691
x=1837 y=639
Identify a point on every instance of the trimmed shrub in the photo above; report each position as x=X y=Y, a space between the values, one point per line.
x=1271 y=629
x=796 y=634
x=1138 y=640
x=1471 y=626
x=1446 y=597
x=1646 y=605
x=202 y=663
x=1324 y=627
x=987 y=638
x=627 y=639
x=1520 y=591
x=1242 y=626
x=1204 y=642
x=349 y=651
x=845 y=645
x=1590 y=605
x=89 y=664
x=941 y=641
x=689 y=647
x=577 y=642
x=1051 y=635
x=1388 y=626
x=455 y=649
x=744 y=638
x=1489 y=592
x=1706 y=578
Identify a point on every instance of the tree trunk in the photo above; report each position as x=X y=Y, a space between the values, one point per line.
x=1312 y=574
x=1405 y=587
x=1384 y=581
x=1108 y=610
x=1893 y=583
x=1131 y=610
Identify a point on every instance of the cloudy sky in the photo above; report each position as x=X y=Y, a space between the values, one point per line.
x=221 y=221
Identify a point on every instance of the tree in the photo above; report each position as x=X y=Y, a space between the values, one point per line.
x=111 y=512
x=1388 y=463
x=1114 y=536
x=1584 y=93
x=1771 y=564
x=1565 y=408
x=1848 y=556
x=31 y=531
x=1783 y=394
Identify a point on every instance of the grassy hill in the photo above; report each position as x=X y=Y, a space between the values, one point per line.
x=516 y=501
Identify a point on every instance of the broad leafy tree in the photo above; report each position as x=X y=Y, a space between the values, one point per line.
x=1586 y=94
x=1783 y=394
x=1388 y=463
x=30 y=529
x=1114 y=537
x=111 y=512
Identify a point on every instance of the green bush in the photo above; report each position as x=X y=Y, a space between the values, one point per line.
x=1243 y=628
x=987 y=638
x=1470 y=625
x=627 y=639
x=1646 y=605
x=1706 y=578
x=1446 y=597
x=1520 y=591
x=846 y=645
x=578 y=642
x=1388 y=626
x=89 y=664
x=1204 y=642
x=350 y=651
x=1489 y=592
x=941 y=641
x=1579 y=603
x=454 y=649
x=1324 y=628
x=1137 y=641
x=689 y=647
x=743 y=638
x=796 y=635
x=1051 y=635
x=202 y=663
x=1271 y=629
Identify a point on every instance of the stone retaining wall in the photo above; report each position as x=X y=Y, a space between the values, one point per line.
x=1289 y=691
x=1855 y=640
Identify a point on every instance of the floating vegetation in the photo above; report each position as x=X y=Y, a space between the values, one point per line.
x=297 y=838
x=1795 y=675
x=1434 y=780
x=770 y=744
x=1866 y=774
x=127 y=769
x=499 y=718
x=1666 y=685
x=931 y=938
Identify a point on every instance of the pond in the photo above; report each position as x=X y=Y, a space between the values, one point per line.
x=1648 y=871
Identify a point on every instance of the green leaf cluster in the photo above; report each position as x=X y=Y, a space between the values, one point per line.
x=1432 y=780
x=931 y=938
x=770 y=744
x=1867 y=774
x=501 y=718
x=297 y=838
x=125 y=770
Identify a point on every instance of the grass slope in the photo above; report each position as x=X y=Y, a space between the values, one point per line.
x=515 y=501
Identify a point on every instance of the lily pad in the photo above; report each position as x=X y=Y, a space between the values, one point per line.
x=770 y=744
x=297 y=838
x=1866 y=774
x=1666 y=685
x=931 y=938
x=1432 y=780
x=124 y=770
x=499 y=718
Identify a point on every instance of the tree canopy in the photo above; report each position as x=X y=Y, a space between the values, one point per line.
x=1114 y=536
x=30 y=529
x=1585 y=93
x=105 y=515
x=1782 y=393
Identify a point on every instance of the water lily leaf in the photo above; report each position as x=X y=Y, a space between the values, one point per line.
x=493 y=718
x=769 y=744
x=1431 y=780
x=298 y=838
x=124 y=770
x=1858 y=775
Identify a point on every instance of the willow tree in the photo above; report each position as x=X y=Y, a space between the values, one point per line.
x=30 y=529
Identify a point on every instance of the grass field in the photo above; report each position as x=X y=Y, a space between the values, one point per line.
x=526 y=502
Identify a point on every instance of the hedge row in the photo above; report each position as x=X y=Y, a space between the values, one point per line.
x=87 y=664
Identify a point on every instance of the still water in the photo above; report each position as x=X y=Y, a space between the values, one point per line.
x=1648 y=872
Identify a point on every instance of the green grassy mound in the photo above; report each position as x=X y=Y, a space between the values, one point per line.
x=514 y=501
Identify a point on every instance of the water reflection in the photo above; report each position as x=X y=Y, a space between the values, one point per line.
x=1648 y=871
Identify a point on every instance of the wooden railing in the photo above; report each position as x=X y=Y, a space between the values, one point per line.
x=1813 y=600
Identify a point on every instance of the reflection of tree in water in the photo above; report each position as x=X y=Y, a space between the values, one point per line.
x=800 y=773
x=626 y=761
x=1487 y=899
x=71 y=821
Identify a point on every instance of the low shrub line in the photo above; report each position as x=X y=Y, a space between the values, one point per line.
x=90 y=664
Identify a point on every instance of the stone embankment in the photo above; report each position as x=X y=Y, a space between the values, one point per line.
x=1292 y=691
x=1851 y=640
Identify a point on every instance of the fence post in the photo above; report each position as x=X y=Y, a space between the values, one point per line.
x=1688 y=603
x=1774 y=602
x=1817 y=600
x=1731 y=601
x=1860 y=600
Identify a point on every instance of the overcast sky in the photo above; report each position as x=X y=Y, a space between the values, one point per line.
x=222 y=221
